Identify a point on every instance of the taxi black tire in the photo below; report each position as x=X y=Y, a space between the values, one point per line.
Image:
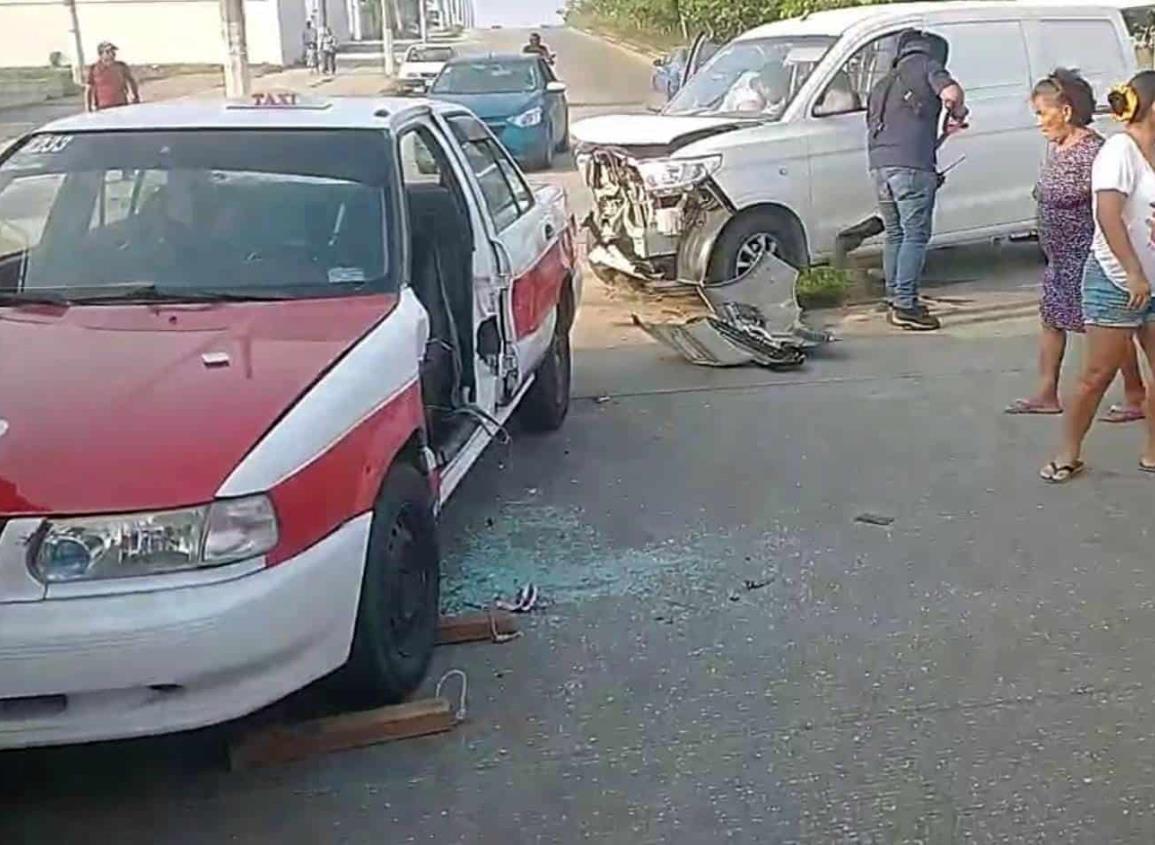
x=546 y=404
x=387 y=663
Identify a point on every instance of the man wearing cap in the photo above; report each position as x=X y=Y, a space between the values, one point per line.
x=110 y=82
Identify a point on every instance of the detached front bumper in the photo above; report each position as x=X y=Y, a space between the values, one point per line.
x=125 y=665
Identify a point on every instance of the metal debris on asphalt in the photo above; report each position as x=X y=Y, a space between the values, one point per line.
x=752 y=584
x=523 y=601
x=754 y=319
x=874 y=519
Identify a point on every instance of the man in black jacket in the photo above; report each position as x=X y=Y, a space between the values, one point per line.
x=903 y=121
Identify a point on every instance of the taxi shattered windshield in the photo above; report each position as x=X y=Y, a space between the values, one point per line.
x=244 y=214
x=755 y=77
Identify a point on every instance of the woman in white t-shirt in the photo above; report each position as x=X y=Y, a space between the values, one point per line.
x=1117 y=303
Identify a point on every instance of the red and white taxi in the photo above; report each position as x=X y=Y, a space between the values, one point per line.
x=246 y=352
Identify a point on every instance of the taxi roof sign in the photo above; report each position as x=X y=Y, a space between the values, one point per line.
x=280 y=100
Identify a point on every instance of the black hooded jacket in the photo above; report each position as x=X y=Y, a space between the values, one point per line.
x=903 y=109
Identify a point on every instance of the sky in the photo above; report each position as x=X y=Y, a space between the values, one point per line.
x=518 y=13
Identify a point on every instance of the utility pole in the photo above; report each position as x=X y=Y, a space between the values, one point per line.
x=422 y=24
x=387 y=37
x=237 y=83
x=323 y=12
x=77 y=45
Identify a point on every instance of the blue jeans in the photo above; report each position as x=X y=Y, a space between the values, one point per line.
x=906 y=203
x=1105 y=303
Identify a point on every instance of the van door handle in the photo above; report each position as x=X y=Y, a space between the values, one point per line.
x=549 y=231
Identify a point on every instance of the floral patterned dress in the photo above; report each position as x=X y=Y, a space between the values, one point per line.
x=1066 y=227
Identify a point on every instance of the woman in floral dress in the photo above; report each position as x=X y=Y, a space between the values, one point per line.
x=1065 y=105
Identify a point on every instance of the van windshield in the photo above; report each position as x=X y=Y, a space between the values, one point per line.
x=756 y=77
x=238 y=214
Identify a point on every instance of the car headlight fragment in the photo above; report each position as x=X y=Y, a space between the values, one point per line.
x=669 y=175
x=90 y=548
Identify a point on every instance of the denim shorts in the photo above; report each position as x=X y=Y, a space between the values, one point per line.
x=1105 y=303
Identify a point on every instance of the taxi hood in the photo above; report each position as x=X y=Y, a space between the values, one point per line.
x=123 y=408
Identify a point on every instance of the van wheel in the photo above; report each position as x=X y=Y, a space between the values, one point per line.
x=546 y=404
x=397 y=615
x=746 y=237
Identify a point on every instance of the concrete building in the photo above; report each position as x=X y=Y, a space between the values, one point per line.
x=159 y=32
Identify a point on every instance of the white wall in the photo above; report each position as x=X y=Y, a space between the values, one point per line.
x=146 y=31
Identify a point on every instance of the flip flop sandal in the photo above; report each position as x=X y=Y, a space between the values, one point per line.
x=1027 y=406
x=1148 y=468
x=1123 y=414
x=1056 y=473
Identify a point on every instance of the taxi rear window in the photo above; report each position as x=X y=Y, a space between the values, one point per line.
x=247 y=212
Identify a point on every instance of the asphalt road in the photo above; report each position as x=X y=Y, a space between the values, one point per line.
x=726 y=651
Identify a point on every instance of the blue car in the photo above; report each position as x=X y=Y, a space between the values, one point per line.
x=668 y=72
x=673 y=69
x=517 y=96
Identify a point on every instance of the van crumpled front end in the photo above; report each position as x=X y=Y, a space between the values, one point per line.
x=653 y=220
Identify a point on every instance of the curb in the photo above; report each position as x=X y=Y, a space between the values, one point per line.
x=647 y=53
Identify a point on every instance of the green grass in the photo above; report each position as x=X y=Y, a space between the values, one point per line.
x=823 y=287
x=657 y=40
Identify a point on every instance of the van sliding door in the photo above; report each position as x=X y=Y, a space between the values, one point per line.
x=1002 y=150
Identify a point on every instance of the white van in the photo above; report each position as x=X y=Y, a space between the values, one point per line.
x=697 y=193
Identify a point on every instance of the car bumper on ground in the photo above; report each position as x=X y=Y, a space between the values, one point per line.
x=116 y=666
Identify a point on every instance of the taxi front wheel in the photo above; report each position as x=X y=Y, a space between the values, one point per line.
x=546 y=403
x=397 y=615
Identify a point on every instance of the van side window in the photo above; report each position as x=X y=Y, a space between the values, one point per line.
x=849 y=88
x=987 y=57
x=1090 y=46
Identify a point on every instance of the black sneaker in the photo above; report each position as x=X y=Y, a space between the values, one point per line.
x=913 y=319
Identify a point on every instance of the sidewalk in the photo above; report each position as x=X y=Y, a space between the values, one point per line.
x=350 y=82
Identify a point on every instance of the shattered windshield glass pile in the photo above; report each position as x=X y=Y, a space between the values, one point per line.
x=756 y=77
x=235 y=214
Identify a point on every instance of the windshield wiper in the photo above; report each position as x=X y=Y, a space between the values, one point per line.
x=30 y=298
x=153 y=293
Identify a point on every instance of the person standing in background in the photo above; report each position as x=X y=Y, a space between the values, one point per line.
x=309 y=45
x=110 y=82
x=902 y=116
x=328 y=46
x=1065 y=106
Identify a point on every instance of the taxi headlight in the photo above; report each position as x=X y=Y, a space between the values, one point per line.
x=100 y=547
x=670 y=175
